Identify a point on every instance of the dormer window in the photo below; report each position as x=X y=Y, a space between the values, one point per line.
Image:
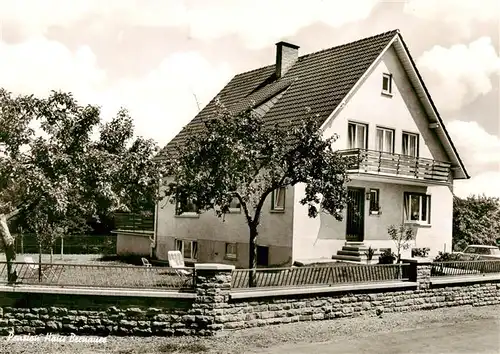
x=387 y=84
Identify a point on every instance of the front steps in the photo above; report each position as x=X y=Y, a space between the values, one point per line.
x=354 y=252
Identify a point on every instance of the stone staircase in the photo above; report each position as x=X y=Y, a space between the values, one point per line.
x=354 y=252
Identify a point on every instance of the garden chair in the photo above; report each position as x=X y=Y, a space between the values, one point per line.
x=145 y=262
x=176 y=261
x=33 y=268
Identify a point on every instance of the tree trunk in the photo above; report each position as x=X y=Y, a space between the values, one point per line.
x=62 y=247
x=252 y=259
x=39 y=261
x=9 y=248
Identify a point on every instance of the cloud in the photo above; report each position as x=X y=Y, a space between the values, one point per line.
x=456 y=76
x=40 y=65
x=164 y=101
x=257 y=22
x=160 y=103
x=476 y=146
x=484 y=183
x=460 y=14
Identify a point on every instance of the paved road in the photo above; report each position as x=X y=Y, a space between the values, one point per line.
x=478 y=336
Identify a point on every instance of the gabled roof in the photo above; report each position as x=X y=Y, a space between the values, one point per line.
x=320 y=81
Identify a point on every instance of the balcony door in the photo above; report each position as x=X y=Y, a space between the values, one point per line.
x=385 y=140
x=355 y=214
x=410 y=144
x=357 y=135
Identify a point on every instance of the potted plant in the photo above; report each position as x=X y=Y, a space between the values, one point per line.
x=369 y=255
x=420 y=252
x=387 y=257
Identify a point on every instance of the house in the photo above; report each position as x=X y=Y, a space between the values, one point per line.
x=370 y=93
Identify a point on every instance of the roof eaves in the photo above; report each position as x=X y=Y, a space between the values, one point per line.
x=428 y=95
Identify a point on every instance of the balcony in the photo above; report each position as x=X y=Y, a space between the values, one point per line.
x=396 y=165
x=133 y=222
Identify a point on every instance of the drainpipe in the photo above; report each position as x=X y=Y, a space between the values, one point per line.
x=154 y=239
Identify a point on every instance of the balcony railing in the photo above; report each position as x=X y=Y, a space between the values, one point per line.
x=133 y=222
x=389 y=164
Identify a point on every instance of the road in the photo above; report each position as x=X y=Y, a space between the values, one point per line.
x=475 y=336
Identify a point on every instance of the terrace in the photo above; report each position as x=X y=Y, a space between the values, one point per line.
x=381 y=163
x=103 y=275
x=134 y=222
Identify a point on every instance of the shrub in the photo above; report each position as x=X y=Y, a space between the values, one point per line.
x=387 y=257
x=447 y=257
x=420 y=252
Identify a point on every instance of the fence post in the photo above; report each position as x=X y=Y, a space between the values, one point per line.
x=213 y=288
x=420 y=272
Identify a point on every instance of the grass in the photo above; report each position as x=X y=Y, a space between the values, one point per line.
x=96 y=271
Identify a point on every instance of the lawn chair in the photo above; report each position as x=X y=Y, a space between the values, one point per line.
x=176 y=261
x=145 y=262
x=33 y=268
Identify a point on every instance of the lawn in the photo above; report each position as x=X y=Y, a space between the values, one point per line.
x=91 y=271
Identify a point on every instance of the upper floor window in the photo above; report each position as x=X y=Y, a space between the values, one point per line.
x=357 y=135
x=417 y=207
x=410 y=144
x=385 y=140
x=387 y=84
x=278 y=199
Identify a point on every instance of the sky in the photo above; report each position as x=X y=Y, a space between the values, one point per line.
x=161 y=59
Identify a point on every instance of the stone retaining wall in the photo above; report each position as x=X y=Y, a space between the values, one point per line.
x=94 y=315
x=213 y=307
x=275 y=310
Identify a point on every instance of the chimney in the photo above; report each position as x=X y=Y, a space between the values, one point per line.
x=286 y=55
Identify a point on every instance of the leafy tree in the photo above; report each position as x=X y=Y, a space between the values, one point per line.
x=239 y=155
x=56 y=179
x=401 y=235
x=476 y=220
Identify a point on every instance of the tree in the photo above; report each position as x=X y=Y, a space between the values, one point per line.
x=476 y=220
x=53 y=178
x=401 y=235
x=239 y=155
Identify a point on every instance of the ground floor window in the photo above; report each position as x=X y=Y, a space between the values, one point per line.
x=262 y=256
x=374 y=201
x=231 y=251
x=278 y=199
x=188 y=248
x=417 y=207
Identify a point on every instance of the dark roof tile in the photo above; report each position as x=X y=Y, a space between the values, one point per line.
x=318 y=80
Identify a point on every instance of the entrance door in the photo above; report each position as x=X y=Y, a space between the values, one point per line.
x=355 y=214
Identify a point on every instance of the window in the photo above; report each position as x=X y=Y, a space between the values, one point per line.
x=358 y=135
x=262 y=256
x=417 y=208
x=189 y=249
x=278 y=199
x=410 y=144
x=235 y=206
x=387 y=84
x=374 y=201
x=385 y=140
x=231 y=251
x=189 y=207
